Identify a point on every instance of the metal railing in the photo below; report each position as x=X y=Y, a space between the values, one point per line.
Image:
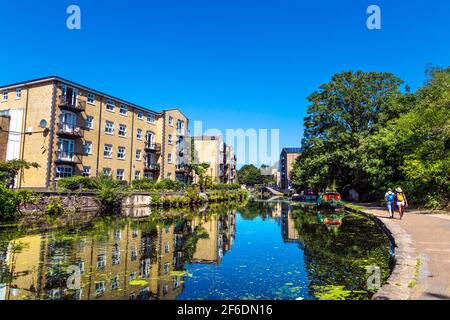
x=152 y=166
x=72 y=103
x=70 y=129
x=153 y=146
x=68 y=156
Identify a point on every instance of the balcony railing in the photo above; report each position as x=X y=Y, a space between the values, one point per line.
x=181 y=131
x=67 y=157
x=151 y=167
x=71 y=103
x=180 y=167
x=70 y=130
x=153 y=147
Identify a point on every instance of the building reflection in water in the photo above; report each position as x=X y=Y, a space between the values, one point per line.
x=121 y=260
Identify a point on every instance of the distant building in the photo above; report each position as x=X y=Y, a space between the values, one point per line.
x=220 y=157
x=287 y=158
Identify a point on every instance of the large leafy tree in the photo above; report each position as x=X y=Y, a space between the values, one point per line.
x=250 y=175
x=342 y=113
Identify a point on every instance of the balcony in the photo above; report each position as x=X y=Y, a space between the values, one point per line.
x=69 y=130
x=74 y=105
x=153 y=147
x=181 y=131
x=151 y=167
x=180 y=168
x=67 y=157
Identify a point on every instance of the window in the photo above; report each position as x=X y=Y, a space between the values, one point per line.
x=170 y=139
x=18 y=93
x=170 y=121
x=87 y=147
x=139 y=134
x=107 y=151
x=166 y=267
x=121 y=153
x=169 y=175
x=115 y=283
x=138 y=154
x=140 y=115
x=167 y=247
x=64 y=171
x=90 y=98
x=109 y=127
x=5 y=95
x=115 y=255
x=133 y=275
x=123 y=110
x=107 y=172
x=119 y=174
x=110 y=105
x=86 y=171
x=169 y=158
x=148 y=175
x=101 y=261
x=150 y=118
x=99 y=288
x=122 y=130
x=89 y=124
x=137 y=175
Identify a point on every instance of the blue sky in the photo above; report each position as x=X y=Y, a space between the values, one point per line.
x=231 y=63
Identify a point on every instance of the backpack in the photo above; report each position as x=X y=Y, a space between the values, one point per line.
x=390 y=197
x=400 y=196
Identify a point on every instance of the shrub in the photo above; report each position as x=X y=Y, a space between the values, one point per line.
x=144 y=184
x=224 y=186
x=8 y=204
x=55 y=206
x=76 y=182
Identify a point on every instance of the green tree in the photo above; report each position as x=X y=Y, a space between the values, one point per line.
x=9 y=170
x=249 y=175
x=342 y=113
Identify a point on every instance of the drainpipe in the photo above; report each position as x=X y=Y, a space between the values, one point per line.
x=132 y=143
x=51 y=137
x=163 y=145
x=21 y=176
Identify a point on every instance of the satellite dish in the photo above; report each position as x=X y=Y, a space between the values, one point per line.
x=43 y=123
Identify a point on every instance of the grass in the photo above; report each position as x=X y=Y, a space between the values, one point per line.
x=355 y=206
x=413 y=282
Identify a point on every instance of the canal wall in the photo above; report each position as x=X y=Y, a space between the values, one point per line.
x=405 y=258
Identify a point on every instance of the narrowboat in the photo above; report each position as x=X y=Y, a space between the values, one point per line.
x=330 y=199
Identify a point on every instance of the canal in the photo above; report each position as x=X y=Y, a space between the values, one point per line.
x=263 y=250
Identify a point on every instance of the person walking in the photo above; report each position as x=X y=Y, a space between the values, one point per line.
x=401 y=201
x=390 y=197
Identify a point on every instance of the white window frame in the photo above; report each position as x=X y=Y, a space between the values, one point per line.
x=5 y=95
x=109 y=125
x=85 y=144
x=89 y=123
x=107 y=148
x=65 y=172
x=90 y=98
x=171 y=121
x=123 y=107
x=124 y=127
x=121 y=153
x=139 y=134
x=86 y=171
x=138 y=152
x=18 y=93
x=140 y=115
x=169 y=158
x=107 y=172
x=151 y=118
x=137 y=175
x=110 y=105
x=120 y=176
x=169 y=139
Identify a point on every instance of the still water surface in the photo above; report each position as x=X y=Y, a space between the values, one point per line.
x=260 y=251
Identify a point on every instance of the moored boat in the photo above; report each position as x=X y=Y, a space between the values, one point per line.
x=330 y=199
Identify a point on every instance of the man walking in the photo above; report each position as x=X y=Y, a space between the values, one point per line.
x=390 y=197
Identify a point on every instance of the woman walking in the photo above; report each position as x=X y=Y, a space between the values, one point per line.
x=401 y=201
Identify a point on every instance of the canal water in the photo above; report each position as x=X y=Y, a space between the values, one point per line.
x=264 y=250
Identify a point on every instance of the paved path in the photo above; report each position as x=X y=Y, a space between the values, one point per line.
x=430 y=234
